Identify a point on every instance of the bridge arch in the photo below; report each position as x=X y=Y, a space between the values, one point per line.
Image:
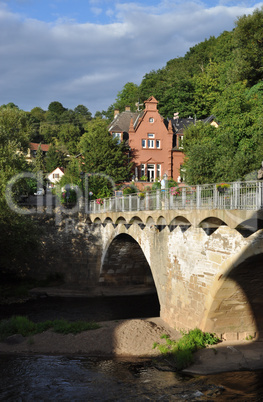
x=125 y=265
x=235 y=303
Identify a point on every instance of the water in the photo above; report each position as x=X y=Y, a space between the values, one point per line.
x=65 y=378
x=79 y=378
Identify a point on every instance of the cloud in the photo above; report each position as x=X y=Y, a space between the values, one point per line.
x=89 y=63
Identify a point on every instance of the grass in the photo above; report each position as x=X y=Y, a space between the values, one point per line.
x=22 y=325
x=181 y=352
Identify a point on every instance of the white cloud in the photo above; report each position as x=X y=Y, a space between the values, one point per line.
x=89 y=63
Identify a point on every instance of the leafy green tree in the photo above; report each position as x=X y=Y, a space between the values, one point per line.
x=128 y=96
x=83 y=111
x=38 y=113
x=18 y=234
x=49 y=132
x=56 y=108
x=248 y=39
x=51 y=161
x=69 y=135
x=72 y=173
x=39 y=161
x=102 y=154
x=207 y=89
x=9 y=105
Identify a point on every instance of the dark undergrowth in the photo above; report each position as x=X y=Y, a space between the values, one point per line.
x=23 y=326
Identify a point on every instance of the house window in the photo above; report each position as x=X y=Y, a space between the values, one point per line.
x=181 y=138
x=118 y=136
x=158 y=171
x=151 y=119
x=55 y=176
x=142 y=170
x=158 y=144
x=150 y=135
x=150 y=143
x=144 y=143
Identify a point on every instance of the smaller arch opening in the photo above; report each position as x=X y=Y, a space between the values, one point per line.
x=250 y=226
x=211 y=224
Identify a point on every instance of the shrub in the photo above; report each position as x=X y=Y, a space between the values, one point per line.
x=131 y=189
x=181 y=352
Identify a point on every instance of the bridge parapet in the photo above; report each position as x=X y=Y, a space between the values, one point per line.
x=230 y=196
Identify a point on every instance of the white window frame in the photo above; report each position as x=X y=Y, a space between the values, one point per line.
x=143 y=143
x=118 y=136
x=158 y=144
x=151 y=144
x=142 y=169
x=158 y=171
x=150 y=135
x=181 y=142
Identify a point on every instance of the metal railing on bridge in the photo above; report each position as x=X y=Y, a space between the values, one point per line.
x=237 y=195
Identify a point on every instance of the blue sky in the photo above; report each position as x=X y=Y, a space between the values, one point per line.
x=84 y=51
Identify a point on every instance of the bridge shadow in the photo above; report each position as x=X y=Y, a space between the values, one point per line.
x=125 y=268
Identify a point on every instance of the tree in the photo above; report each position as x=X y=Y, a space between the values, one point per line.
x=49 y=132
x=83 y=111
x=18 y=233
x=103 y=155
x=69 y=135
x=51 y=161
x=128 y=96
x=39 y=161
x=248 y=39
x=56 y=108
x=207 y=89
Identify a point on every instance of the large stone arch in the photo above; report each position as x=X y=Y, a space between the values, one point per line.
x=124 y=263
x=234 y=307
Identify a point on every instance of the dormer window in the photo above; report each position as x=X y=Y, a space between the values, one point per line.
x=151 y=120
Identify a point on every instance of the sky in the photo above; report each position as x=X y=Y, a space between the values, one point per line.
x=83 y=52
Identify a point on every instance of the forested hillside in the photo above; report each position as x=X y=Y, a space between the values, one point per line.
x=220 y=76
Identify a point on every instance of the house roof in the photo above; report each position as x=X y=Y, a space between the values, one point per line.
x=181 y=123
x=60 y=168
x=34 y=146
x=121 y=122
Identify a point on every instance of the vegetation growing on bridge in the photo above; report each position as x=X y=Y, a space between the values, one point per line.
x=181 y=351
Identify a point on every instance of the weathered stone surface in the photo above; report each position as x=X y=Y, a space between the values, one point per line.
x=212 y=281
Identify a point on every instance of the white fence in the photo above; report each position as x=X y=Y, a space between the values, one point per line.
x=237 y=195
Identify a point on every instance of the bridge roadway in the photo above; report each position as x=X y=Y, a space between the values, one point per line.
x=206 y=264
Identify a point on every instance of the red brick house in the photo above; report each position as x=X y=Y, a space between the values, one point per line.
x=156 y=143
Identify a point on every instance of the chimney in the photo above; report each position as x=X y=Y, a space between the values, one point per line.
x=127 y=108
x=116 y=112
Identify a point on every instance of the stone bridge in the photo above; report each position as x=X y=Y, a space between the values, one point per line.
x=206 y=265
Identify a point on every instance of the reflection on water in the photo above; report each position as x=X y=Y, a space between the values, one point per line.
x=63 y=378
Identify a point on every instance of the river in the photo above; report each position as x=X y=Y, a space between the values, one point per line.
x=80 y=378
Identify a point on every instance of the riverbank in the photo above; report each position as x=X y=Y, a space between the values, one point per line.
x=135 y=338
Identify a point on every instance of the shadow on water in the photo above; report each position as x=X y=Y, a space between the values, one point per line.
x=89 y=309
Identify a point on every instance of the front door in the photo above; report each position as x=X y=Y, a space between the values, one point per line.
x=150 y=172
